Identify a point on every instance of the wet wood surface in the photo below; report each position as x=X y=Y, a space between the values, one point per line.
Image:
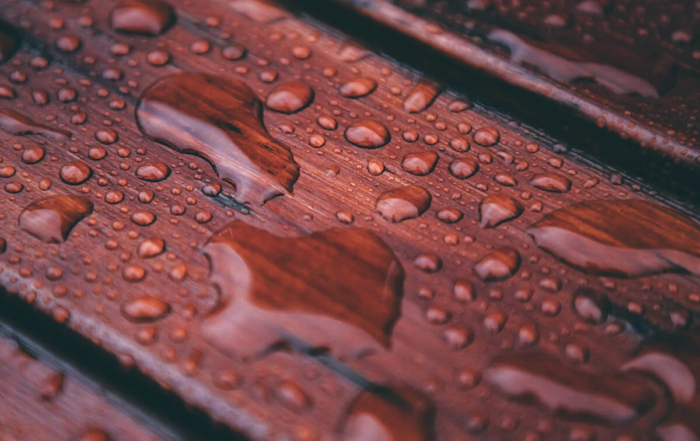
x=628 y=67
x=306 y=240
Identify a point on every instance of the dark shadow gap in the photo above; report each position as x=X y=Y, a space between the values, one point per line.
x=590 y=144
x=128 y=389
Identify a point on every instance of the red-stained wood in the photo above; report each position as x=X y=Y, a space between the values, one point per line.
x=140 y=274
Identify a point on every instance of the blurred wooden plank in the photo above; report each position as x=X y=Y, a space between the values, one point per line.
x=544 y=48
x=41 y=403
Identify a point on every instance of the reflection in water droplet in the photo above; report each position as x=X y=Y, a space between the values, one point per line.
x=367 y=133
x=149 y=17
x=289 y=97
x=629 y=238
x=339 y=289
x=615 y=399
x=52 y=219
x=496 y=209
x=403 y=203
x=382 y=413
x=17 y=124
x=219 y=119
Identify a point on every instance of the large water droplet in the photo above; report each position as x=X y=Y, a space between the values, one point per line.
x=614 y=399
x=403 y=203
x=568 y=71
x=339 y=289
x=220 y=120
x=150 y=17
x=630 y=238
x=52 y=219
x=17 y=124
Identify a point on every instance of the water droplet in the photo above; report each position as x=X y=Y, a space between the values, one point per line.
x=149 y=17
x=449 y=215
x=153 y=171
x=551 y=182
x=420 y=164
x=151 y=247
x=463 y=168
x=145 y=309
x=276 y=289
x=487 y=136
x=143 y=218
x=358 y=87
x=630 y=238
x=32 y=154
x=674 y=360
x=94 y=435
x=561 y=69
x=261 y=12
x=496 y=209
x=52 y=219
x=75 y=173
x=289 y=97
x=403 y=203
x=591 y=305
x=17 y=124
x=367 y=133
x=389 y=414
x=500 y=264
x=421 y=97
x=219 y=119
x=615 y=398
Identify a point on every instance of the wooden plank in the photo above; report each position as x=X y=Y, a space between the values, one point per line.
x=476 y=287
x=42 y=403
x=633 y=76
